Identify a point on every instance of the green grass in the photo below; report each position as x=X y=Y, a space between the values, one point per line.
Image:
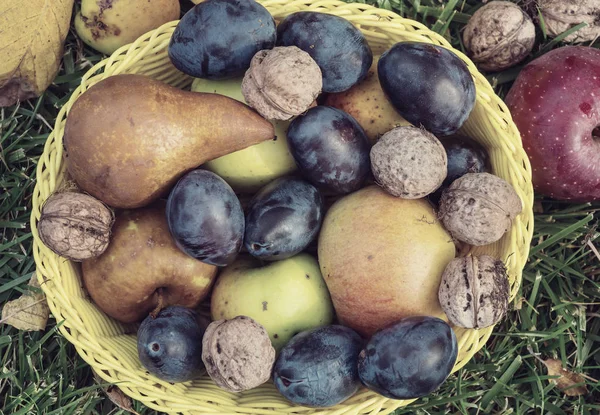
x=555 y=315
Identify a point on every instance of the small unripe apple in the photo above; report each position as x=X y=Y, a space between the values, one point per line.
x=285 y=297
x=555 y=103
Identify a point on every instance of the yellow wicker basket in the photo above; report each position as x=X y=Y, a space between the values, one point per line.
x=111 y=350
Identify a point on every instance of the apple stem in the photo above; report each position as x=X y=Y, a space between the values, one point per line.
x=160 y=304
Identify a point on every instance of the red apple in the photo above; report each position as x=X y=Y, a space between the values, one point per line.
x=555 y=103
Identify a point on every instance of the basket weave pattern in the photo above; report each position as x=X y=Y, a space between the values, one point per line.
x=108 y=346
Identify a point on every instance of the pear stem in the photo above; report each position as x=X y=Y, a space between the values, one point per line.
x=160 y=304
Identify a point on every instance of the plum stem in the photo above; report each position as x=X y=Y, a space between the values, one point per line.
x=160 y=304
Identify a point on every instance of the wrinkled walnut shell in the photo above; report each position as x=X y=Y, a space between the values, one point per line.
x=499 y=35
x=479 y=208
x=237 y=353
x=409 y=162
x=474 y=291
x=75 y=226
x=561 y=15
x=282 y=82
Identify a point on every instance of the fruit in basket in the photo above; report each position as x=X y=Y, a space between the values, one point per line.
x=429 y=85
x=217 y=39
x=170 y=344
x=238 y=354
x=249 y=169
x=474 y=292
x=286 y=297
x=143 y=269
x=409 y=162
x=283 y=218
x=499 y=35
x=368 y=105
x=282 y=82
x=206 y=218
x=318 y=367
x=382 y=258
x=409 y=359
x=554 y=103
x=108 y=25
x=129 y=138
x=330 y=149
x=561 y=15
x=75 y=226
x=465 y=155
x=479 y=208
x=339 y=48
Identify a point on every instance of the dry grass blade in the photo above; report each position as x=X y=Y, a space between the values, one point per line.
x=116 y=395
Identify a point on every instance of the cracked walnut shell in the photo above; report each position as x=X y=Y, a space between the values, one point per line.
x=479 y=208
x=75 y=225
x=474 y=291
x=282 y=82
x=237 y=353
x=499 y=35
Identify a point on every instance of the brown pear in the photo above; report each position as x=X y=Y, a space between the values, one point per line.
x=143 y=268
x=129 y=137
x=382 y=259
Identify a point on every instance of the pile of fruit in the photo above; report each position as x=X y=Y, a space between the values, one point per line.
x=294 y=141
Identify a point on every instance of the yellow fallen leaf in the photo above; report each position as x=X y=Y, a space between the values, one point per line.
x=571 y=383
x=31 y=46
x=29 y=312
x=117 y=396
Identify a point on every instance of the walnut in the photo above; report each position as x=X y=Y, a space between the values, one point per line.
x=409 y=162
x=478 y=208
x=75 y=225
x=282 y=82
x=561 y=15
x=237 y=353
x=499 y=35
x=474 y=291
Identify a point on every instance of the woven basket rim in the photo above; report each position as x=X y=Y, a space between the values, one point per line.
x=51 y=171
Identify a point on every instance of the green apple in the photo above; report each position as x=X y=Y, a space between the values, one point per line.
x=249 y=169
x=286 y=297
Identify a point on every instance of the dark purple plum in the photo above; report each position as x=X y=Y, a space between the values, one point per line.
x=465 y=155
x=339 y=48
x=217 y=39
x=283 y=218
x=318 y=367
x=330 y=148
x=206 y=218
x=408 y=359
x=170 y=345
x=429 y=85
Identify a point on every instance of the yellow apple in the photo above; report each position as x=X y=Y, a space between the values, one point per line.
x=286 y=297
x=249 y=169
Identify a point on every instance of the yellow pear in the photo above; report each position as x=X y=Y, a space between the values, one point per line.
x=129 y=137
x=106 y=25
x=382 y=258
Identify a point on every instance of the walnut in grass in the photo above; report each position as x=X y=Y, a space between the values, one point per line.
x=474 y=291
x=75 y=225
x=561 y=15
x=409 y=162
x=237 y=353
x=479 y=208
x=499 y=35
x=282 y=82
